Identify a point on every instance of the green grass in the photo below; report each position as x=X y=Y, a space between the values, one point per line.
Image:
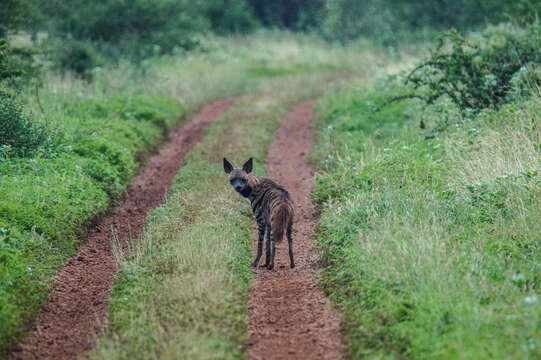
x=431 y=238
x=48 y=200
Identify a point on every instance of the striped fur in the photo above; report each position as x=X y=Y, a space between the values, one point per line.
x=272 y=207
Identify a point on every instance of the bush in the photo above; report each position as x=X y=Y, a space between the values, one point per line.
x=19 y=135
x=392 y=22
x=78 y=56
x=290 y=14
x=230 y=17
x=15 y=14
x=5 y=72
x=479 y=73
x=17 y=65
x=137 y=28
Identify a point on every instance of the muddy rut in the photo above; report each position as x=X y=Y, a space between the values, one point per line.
x=290 y=318
x=74 y=313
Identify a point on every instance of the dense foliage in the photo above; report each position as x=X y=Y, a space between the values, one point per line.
x=479 y=73
x=17 y=14
x=142 y=28
x=139 y=28
x=392 y=22
x=17 y=65
x=290 y=14
x=134 y=26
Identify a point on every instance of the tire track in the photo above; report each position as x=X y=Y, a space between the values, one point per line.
x=73 y=315
x=290 y=318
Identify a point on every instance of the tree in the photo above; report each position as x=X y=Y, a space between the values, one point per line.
x=15 y=14
x=289 y=14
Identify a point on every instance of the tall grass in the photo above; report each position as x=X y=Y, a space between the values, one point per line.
x=432 y=244
x=224 y=66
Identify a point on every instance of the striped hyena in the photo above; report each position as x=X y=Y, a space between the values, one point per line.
x=272 y=207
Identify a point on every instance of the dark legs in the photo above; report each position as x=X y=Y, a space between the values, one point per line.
x=290 y=242
x=261 y=237
x=272 y=244
x=270 y=251
x=268 y=247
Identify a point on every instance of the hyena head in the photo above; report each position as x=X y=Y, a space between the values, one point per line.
x=238 y=177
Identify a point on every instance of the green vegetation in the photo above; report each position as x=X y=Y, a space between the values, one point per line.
x=20 y=135
x=479 y=73
x=431 y=236
x=57 y=176
x=395 y=22
x=78 y=30
x=141 y=29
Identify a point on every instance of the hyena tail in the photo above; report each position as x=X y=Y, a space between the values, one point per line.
x=281 y=218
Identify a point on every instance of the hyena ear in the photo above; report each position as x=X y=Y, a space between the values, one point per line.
x=227 y=166
x=248 y=166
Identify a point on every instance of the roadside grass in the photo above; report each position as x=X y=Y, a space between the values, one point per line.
x=47 y=200
x=431 y=243
x=183 y=286
x=104 y=130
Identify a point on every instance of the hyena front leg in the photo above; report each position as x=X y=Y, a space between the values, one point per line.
x=261 y=237
x=290 y=242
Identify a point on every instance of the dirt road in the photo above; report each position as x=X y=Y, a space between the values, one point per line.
x=290 y=318
x=74 y=313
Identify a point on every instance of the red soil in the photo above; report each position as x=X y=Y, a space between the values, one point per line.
x=73 y=315
x=290 y=318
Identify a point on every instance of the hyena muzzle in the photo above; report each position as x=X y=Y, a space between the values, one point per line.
x=272 y=207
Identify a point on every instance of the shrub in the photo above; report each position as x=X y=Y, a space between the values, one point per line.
x=137 y=28
x=78 y=56
x=479 y=73
x=17 y=65
x=231 y=16
x=16 y=14
x=393 y=22
x=19 y=135
x=4 y=68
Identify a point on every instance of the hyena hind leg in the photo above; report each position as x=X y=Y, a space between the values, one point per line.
x=272 y=245
x=290 y=243
x=261 y=237
x=268 y=247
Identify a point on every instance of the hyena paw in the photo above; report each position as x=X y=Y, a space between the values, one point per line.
x=270 y=266
x=254 y=263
